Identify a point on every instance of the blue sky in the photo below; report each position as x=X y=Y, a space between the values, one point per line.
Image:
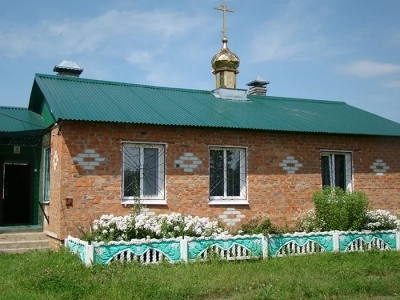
x=337 y=50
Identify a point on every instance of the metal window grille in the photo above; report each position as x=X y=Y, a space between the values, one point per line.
x=227 y=173
x=143 y=171
x=336 y=170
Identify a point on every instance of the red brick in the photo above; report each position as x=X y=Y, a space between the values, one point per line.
x=270 y=189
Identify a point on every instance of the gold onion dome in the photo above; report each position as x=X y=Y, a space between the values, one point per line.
x=225 y=60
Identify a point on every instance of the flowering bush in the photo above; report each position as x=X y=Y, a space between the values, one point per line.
x=374 y=220
x=139 y=226
x=381 y=220
x=306 y=221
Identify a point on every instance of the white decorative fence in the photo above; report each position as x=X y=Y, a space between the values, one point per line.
x=150 y=251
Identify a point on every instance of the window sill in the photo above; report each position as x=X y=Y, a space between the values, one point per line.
x=228 y=202
x=145 y=202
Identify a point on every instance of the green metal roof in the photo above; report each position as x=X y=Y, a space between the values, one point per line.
x=16 y=119
x=93 y=100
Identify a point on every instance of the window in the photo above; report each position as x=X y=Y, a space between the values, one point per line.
x=46 y=174
x=336 y=169
x=143 y=174
x=227 y=174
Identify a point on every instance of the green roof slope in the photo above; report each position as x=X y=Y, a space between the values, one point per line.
x=94 y=100
x=15 y=119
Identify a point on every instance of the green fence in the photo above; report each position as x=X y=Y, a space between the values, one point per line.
x=186 y=249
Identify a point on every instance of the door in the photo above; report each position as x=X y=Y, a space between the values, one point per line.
x=16 y=192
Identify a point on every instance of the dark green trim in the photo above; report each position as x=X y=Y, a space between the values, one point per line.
x=47 y=115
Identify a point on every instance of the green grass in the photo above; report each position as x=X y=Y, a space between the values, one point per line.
x=59 y=275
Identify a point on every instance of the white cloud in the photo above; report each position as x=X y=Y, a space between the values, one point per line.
x=294 y=33
x=155 y=69
x=107 y=32
x=392 y=84
x=151 y=41
x=140 y=57
x=368 y=68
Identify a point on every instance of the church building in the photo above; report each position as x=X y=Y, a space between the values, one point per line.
x=86 y=147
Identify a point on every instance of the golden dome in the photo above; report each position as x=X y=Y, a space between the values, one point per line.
x=225 y=59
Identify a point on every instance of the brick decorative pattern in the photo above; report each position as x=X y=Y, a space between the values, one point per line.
x=290 y=165
x=271 y=190
x=379 y=167
x=89 y=159
x=146 y=211
x=188 y=162
x=231 y=217
x=55 y=160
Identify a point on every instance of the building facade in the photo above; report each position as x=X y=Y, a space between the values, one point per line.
x=226 y=174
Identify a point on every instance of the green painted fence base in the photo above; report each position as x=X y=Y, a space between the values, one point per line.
x=148 y=251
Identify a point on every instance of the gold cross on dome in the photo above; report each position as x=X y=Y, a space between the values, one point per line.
x=224 y=9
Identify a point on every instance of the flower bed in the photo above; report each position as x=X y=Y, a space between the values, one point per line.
x=139 y=226
x=174 y=238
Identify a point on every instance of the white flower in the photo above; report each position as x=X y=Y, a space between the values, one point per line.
x=381 y=219
x=176 y=221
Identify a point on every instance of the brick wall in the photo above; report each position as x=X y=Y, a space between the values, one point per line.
x=284 y=169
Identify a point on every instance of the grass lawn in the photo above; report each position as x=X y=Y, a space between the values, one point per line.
x=60 y=275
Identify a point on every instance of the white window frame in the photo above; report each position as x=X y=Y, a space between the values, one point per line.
x=146 y=199
x=348 y=166
x=223 y=200
x=46 y=175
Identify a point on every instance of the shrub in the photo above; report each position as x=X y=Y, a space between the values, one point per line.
x=381 y=220
x=336 y=209
x=258 y=225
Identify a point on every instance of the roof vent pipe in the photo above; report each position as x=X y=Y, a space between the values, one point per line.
x=68 y=68
x=258 y=87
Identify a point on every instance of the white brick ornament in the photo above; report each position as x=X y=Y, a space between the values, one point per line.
x=146 y=211
x=379 y=167
x=89 y=159
x=231 y=216
x=55 y=160
x=290 y=165
x=188 y=162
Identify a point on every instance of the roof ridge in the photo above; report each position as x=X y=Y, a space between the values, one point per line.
x=280 y=98
x=186 y=90
x=118 y=83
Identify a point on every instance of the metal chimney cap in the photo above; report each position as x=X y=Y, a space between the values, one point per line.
x=68 y=67
x=258 y=82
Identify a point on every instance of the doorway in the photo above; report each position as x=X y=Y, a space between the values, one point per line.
x=16 y=194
